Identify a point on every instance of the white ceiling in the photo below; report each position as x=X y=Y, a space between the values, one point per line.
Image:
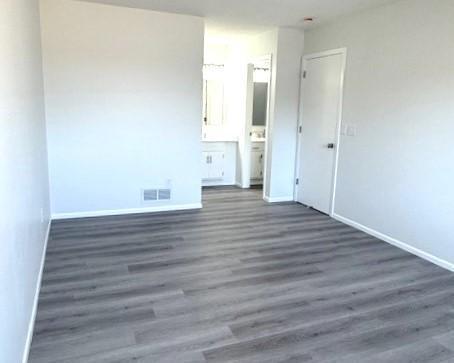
x=252 y=16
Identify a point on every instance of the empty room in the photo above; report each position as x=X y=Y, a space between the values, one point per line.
x=195 y=181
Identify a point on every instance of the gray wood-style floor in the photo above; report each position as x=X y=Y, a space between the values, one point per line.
x=239 y=281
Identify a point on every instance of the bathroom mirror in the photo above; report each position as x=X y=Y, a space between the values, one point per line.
x=262 y=73
x=260 y=106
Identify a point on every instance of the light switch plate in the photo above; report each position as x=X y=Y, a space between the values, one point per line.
x=343 y=130
x=351 y=130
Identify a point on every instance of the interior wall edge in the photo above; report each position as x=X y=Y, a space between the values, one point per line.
x=397 y=243
x=31 y=325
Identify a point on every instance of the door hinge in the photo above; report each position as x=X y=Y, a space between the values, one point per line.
x=297 y=181
x=304 y=74
x=300 y=129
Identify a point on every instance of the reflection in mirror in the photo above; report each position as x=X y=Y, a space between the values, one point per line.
x=262 y=79
x=260 y=107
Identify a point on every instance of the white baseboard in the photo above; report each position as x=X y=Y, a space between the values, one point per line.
x=222 y=184
x=117 y=212
x=278 y=199
x=402 y=245
x=243 y=186
x=31 y=324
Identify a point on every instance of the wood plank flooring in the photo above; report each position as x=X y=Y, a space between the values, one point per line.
x=239 y=281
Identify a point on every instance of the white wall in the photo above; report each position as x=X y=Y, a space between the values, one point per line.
x=236 y=73
x=124 y=105
x=286 y=48
x=24 y=199
x=285 y=123
x=219 y=54
x=397 y=175
x=259 y=46
x=215 y=52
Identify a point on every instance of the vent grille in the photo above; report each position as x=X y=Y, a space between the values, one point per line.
x=164 y=194
x=150 y=195
x=153 y=195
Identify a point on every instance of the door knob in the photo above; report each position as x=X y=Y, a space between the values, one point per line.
x=330 y=146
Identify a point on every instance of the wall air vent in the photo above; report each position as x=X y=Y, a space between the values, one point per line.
x=150 y=195
x=164 y=194
x=154 y=195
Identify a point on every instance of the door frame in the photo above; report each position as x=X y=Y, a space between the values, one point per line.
x=268 y=129
x=245 y=137
x=304 y=60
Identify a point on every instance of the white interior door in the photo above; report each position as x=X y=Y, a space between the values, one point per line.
x=321 y=93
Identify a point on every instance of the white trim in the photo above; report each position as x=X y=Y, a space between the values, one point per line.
x=278 y=199
x=31 y=324
x=339 y=128
x=402 y=245
x=298 y=136
x=326 y=53
x=268 y=133
x=343 y=52
x=221 y=184
x=244 y=143
x=116 y=212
